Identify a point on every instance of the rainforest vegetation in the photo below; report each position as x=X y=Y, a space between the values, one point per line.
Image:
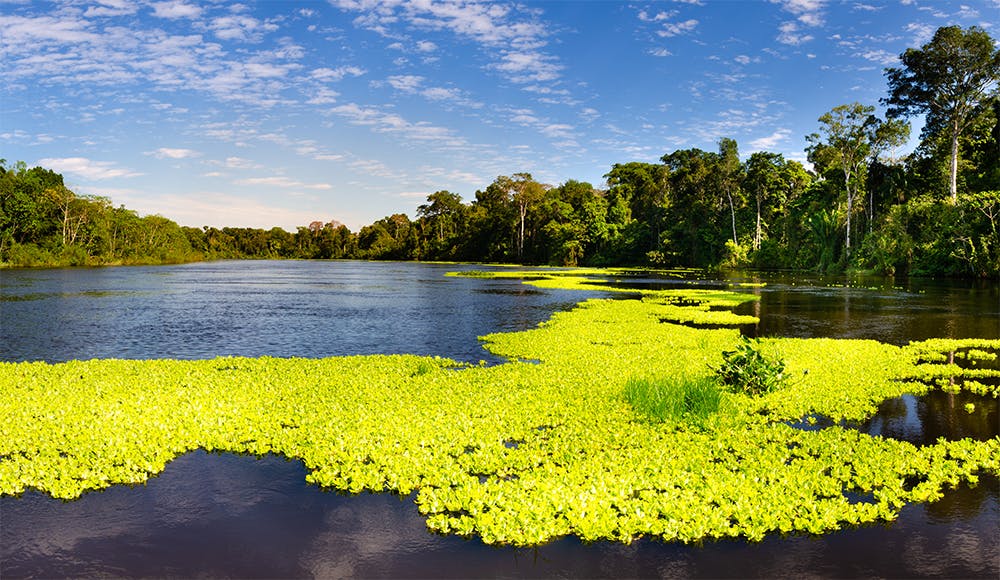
x=861 y=205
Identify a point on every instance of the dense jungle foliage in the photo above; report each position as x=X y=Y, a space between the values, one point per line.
x=934 y=211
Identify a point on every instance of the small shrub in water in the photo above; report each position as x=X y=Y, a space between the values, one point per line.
x=747 y=370
x=690 y=399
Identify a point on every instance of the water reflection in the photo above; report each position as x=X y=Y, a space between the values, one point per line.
x=872 y=308
x=222 y=515
x=309 y=309
x=925 y=419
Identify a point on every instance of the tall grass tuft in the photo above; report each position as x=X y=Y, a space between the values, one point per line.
x=676 y=399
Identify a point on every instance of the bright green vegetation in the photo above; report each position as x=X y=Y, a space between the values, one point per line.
x=524 y=452
x=860 y=207
x=692 y=400
x=749 y=370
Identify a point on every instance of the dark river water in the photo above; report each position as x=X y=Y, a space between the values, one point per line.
x=223 y=515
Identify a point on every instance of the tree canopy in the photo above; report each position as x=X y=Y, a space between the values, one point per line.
x=952 y=80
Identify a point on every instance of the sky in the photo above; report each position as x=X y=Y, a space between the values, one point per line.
x=281 y=113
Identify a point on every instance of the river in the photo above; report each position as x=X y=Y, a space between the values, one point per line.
x=222 y=515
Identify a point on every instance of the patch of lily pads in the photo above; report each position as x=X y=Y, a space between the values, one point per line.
x=522 y=453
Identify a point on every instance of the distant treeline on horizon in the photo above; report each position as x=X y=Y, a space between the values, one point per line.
x=933 y=212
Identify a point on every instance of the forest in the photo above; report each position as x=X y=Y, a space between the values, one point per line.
x=860 y=206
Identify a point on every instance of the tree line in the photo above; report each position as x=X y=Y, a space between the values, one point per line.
x=860 y=206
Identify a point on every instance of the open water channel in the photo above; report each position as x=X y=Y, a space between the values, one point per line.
x=222 y=515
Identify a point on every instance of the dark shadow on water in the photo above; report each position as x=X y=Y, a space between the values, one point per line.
x=922 y=420
x=925 y=419
x=223 y=515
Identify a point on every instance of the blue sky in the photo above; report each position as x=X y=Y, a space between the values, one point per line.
x=280 y=113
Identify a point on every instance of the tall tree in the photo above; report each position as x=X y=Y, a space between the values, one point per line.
x=764 y=181
x=729 y=174
x=951 y=79
x=694 y=206
x=72 y=212
x=442 y=210
x=526 y=193
x=492 y=223
x=637 y=202
x=884 y=137
x=844 y=145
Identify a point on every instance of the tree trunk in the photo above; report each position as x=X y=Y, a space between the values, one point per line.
x=850 y=209
x=871 y=209
x=757 y=234
x=520 y=238
x=732 y=210
x=953 y=184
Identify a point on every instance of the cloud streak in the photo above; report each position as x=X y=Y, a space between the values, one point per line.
x=87 y=168
x=509 y=31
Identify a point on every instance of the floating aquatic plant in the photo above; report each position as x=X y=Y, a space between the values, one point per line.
x=748 y=370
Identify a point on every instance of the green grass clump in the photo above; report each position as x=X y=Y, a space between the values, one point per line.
x=688 y=399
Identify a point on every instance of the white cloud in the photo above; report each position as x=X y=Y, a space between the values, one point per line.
x=282 y=182
x=241 y=27
x=168 y=153
x=25 y=32
x=557 y=131
x=589 y=115
x=413 y=84
x=529 y=66
x=790 y=34
x=426 y=46
x=86 y=168
x=112 y=8
x=176 y=9
x=70 y=51
x=215 y=209
x=383 y=122
x=671 y=29
x=660 y=52
x=322 y=96
x=405 y=83
x=809 y=13
x=967 y=12
x=769 y=142
x=922 y=33
x=263 y=70
x=442 y=94
x=658 y=17
x=879 y=56
x=513 y=29
x=336 y=74
x=240 y=163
